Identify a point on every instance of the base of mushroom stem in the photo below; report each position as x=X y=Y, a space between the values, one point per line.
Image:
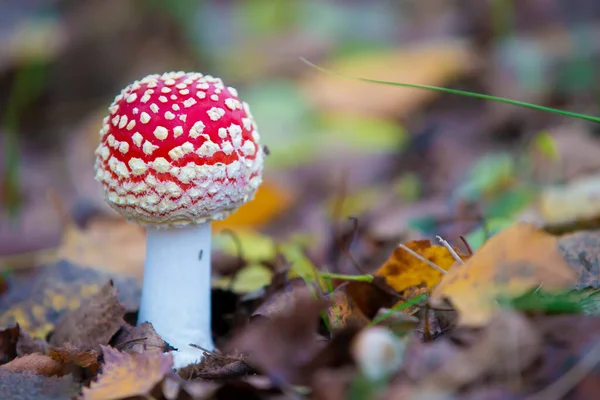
x=188 y=356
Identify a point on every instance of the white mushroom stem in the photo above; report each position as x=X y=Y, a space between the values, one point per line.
x=176 y=292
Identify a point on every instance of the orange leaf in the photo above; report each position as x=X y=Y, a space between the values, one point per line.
x=128 y=375
x=512 y=262
x=270 y=201
x=403 y=270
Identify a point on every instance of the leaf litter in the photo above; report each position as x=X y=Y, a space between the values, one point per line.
x=326 y=290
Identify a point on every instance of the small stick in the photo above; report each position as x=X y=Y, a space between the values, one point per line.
x=212 y=353
x=450 y=249
x=467 y=245
x=421 y=258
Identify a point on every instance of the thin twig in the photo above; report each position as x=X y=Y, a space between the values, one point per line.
x=125 y=343
x=559 y=388
x=421 y=258
x=467 y=245
x=450 y=249
x=212 y=353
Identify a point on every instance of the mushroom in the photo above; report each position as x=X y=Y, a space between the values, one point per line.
x=177 y=151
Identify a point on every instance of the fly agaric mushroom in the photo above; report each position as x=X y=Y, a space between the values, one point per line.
x=177 y=151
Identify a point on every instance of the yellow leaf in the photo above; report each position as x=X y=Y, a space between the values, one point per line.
x=403 y=270
x=512 y=262
x=435 y=63
x=128 y=375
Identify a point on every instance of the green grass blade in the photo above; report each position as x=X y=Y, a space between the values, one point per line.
x=408 y=303
x=463 y=93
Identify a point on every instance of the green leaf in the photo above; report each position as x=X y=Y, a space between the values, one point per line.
x=487 y=176
x=545 y=144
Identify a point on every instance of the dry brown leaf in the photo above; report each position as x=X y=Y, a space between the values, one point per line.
x=217 y=366
x=94 y=323
x=140 y=339
x=38 y=363
x=267 y=341
x=37 y=300
x=126 y=375
x=72 y=356
x=513 y=261
x=343 y=312
x=371 y=297
x=435 y=63
x=112 y=245
x=506 y=347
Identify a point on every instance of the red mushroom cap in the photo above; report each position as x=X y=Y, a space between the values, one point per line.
x=178 y=148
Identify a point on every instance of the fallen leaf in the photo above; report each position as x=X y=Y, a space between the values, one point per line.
x=403 y=270
x=94 y=323
x=70 y=355
x=37 y=299
x=217 y=366
x=512 y=262
x=113 y=245
x=574 y=204
x=371 y=297
x=297 y=323
x=269 y=202
x=8 y=344
x=39 y=363
x=434 y=63
x=126 y=375
x=582 y=251
x=140 y=339
x=29 y=385
x=343 y=312
x=491 y=356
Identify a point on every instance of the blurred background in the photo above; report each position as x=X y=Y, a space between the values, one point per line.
x=350 y=162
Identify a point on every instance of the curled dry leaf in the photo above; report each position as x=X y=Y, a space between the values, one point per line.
x=94 y=323
x=217 y=366
x=140 y=339
x=128 y=375
x=515 y=260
